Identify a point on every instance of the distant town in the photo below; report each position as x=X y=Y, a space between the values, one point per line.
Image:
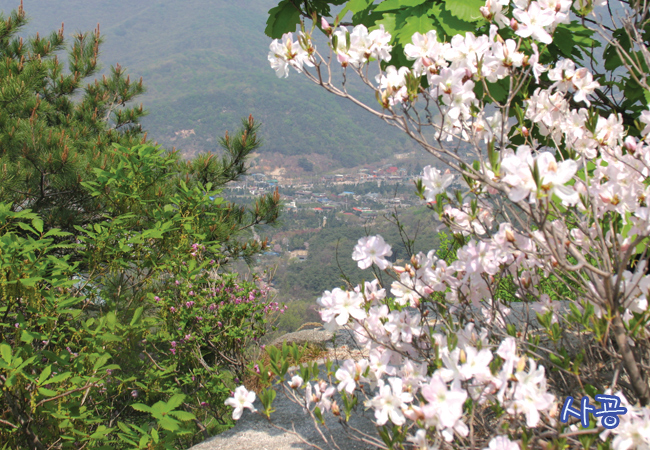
x=363 y=192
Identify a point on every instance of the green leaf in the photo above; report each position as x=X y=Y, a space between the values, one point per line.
x=47 y=392
x=101 y=431
x=101 y=361
x=137 y=315
x=416 y=20
x=59 y=378
x=282 y=19
x=26 y=227
x=563 y=39
x=30 y=282
x=450 y=24
x=358 y=5
x=174 y=402
x=5 y=351
x=183 y=415
x=168 y=423
x=44 y=375
x=155 y=436
x=141 y=407
x=389 y=5
x=124 y=427
x=466 y=10
x=498 y=90
x=27 y=336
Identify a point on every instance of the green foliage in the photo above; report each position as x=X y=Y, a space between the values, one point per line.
x=73 y=367
x=53 y=132
x=119 y=327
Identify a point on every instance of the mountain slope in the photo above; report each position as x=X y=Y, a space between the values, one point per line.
x=205 y=66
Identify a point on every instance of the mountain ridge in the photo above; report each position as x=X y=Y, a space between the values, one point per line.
x=204 y=65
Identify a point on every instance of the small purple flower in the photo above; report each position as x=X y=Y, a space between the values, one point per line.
x=193 y=378
x=212 y=261
x=17 y=325
x=191 y=294
x=178 y=283
x=134 y=393
x=219 y=324
x=199 y=318
x=157 y=299
x=189 y=304
x=172 y=309
x=204 y=404
x=173 y=343
x=173 y=350
x=188 y=337
x=256 y=368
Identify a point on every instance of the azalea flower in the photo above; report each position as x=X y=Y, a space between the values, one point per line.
x=477 y=364
x=420 y=441
x=372 y=250
x=518 y=174
x=554 y=176
x=444 y=407
x=288 y=52
x=645 y=119
x=502 y=443
x=533 y=21
x=350 y=374
x=390 y=401
x=530 y=395
x=322 y=394
x=339 y=305
x=242 y=398
x=296 y=382
x=584 y=84
x=426 y=51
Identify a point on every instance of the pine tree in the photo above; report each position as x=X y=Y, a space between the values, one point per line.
x=58 y=135
x=53 y=132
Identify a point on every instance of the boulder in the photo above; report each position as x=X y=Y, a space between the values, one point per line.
x=317 y=336
x=254 y=432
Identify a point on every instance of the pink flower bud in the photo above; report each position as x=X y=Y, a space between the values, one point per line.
x=630 y=144
x=514 y=24
x=323 y=23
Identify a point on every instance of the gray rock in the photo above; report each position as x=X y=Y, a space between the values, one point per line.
x=317 y=336
x=254 y=432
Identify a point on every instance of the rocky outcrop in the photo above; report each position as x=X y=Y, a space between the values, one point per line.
x=316 y=336
x=255 y=432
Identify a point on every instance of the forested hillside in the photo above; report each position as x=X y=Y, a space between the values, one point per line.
x=204 y=64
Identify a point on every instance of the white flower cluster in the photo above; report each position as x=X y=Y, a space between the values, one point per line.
x=582 y=184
